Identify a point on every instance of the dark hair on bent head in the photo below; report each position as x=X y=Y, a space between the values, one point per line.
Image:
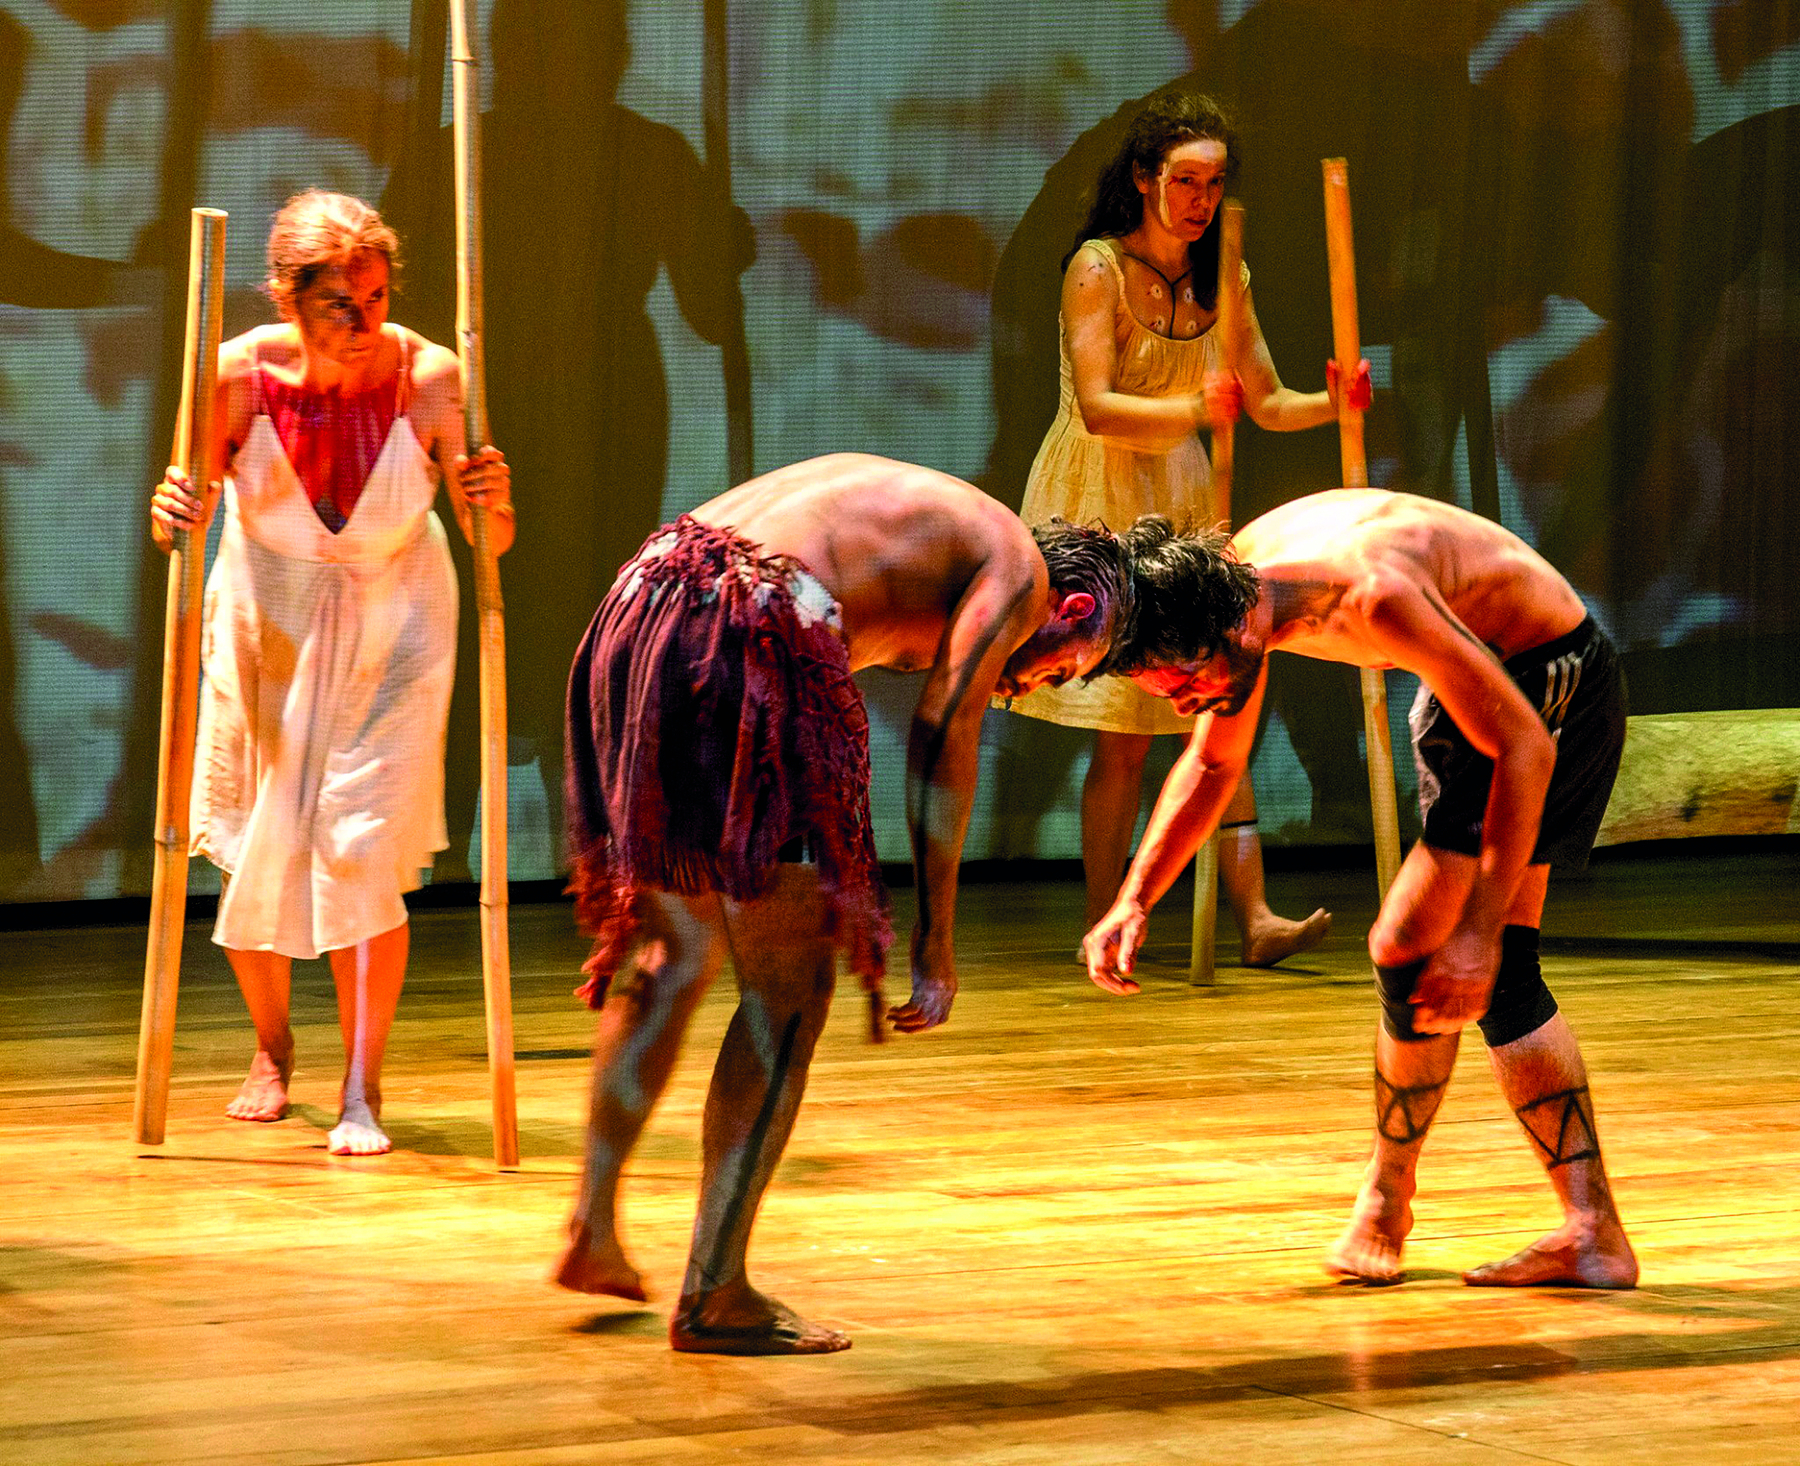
x=1166 y=121
x=1091 y=558
x=1190 y=590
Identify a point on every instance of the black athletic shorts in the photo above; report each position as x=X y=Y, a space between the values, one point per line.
x=1576 y=684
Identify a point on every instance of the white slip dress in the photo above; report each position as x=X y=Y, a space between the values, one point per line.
x=328 y=659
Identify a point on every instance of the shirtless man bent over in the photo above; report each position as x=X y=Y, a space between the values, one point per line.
x=718 y=798
x=1517 y=731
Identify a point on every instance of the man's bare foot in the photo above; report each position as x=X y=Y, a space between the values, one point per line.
x=597 y=1265
x=1273 y=937
x=264 y=1096
x=1575 y=1255
x=748 y=1323
x=1369 y=1250
x=358 y=1132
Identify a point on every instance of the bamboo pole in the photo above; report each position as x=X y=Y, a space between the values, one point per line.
x=496 y=960
x=193 y=455
x=1227 y=327
x=1347 y=348
x=1201 y=959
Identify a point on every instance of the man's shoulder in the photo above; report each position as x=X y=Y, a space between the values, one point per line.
x=1007 y=541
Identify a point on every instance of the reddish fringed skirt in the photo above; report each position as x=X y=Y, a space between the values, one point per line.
x=712 y=720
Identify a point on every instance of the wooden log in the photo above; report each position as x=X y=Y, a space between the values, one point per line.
x=1227 y=326
x=496 y=961
x=1347 y=348
x=1721 y=773
x=194 y=456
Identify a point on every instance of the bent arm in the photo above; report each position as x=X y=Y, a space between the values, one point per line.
x=177 y=503
x=1192 y=800
x=1090 y=306
x=710 y=249
x=1426 y=637
x=998 y=611
x=1188 y=809
x=1271 y=406
x=467 y=476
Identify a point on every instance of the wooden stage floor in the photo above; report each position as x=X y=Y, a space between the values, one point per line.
x=1066 y=1228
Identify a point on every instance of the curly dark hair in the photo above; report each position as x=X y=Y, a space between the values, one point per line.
x=1189 y=591
x=1166 y=121
x=1092 y=558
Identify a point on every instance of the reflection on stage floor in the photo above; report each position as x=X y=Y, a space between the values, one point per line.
x=1065 y=1228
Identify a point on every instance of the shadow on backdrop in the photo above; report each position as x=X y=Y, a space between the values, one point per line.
x=1527 y=193
x=37 y=277
x=40 y=278
x=1303 y=83
x=585 y=201
x=1706 y=586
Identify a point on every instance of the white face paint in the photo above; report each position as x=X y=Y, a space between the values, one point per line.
x=1184 y=194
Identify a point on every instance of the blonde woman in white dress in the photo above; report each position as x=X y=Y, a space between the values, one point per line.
x=1141 y=372
x=330 y=640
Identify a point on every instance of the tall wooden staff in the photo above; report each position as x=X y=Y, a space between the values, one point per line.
x=496 y=961
x=1348 y=349
x=1226 y=327
x=194 y=456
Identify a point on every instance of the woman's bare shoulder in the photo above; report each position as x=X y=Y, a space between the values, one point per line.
x=239 y=356
x=436 y=388
x=426 y=354
x=1093 y=259
x=1091 y=282
x=436 y=373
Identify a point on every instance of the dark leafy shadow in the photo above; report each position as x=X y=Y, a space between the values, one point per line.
x=585 y=204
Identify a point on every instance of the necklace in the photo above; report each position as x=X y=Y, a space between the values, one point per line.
x=1156 y=291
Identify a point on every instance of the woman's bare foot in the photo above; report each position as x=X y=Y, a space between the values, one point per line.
x=1578 y=1254
x=1273 y=937
x=264 y=1096
x=1369 y=1249
x=358 y=1131
x=597 y=1265
x=744 y=1321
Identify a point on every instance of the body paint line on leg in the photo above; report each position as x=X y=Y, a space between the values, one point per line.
x=1412 y=1106
x=1574 y=1126
x=752 y=1149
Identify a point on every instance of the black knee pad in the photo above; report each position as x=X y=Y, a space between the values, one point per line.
x=1521 y=1003
x=1396 y=984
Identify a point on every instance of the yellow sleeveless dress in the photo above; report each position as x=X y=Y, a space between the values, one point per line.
x=319 y=774
x=1083 y=477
